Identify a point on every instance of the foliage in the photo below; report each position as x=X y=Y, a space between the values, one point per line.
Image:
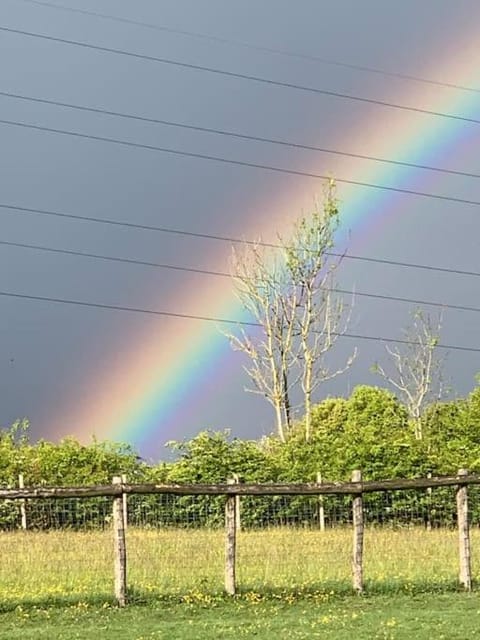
x=367 y=431
x=370 y=430
x=211 y=458
x=67 y=463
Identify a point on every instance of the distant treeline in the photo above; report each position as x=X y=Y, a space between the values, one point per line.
x=370 y=431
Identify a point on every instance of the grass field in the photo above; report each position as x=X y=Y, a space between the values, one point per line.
x=37 y=567
x=293 y=583
x=451 y=616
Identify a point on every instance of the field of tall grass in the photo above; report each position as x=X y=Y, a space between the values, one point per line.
x=188 y=564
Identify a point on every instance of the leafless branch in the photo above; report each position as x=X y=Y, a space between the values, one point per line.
x=416 y=369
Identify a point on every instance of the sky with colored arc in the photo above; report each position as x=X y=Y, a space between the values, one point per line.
x=145 y=379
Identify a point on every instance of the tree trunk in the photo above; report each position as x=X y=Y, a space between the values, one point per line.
x=308 y=397
x=278 y=413
x=417 y=425
x=286 y=402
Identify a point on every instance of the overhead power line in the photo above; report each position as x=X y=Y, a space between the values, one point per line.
x=252 y=46
x=208 y=272
x=234 y=134
x=240 y=76
x=240 y=163
x=221 y=238
x=171 y=314
x=114 y=307
x=118 y=259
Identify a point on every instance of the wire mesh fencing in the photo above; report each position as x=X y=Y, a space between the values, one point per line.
x=143 y=541
x=65 y=551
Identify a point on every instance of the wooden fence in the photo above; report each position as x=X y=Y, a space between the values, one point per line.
x=233 y=490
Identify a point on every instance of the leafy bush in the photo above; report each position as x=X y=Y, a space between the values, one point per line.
x=369 y=430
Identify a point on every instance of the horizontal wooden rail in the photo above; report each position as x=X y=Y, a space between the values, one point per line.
x=270 y=489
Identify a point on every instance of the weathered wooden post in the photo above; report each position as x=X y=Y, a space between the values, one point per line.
x=465 y=568
x=429 y=505
x=357 y=560
x=125 y=503
x=321 y=511
x=238 y=523
x=23 y=503
x=230 y=542
x=120 y=548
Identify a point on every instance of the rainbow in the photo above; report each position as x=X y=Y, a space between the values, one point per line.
x=165 y=373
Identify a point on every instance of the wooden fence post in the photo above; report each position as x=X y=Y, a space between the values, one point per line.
x=120 y=549
x=321 y=510
x=238 y=523
x=125 y=503
x=357 y=560
x=230 y=542
x=465 y=569
x=429 y=505
x=23 y=503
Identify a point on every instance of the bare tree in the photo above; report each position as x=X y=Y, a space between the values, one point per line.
x=289 y=293
x=261 y=285
x=321 y=317
x=416 y=370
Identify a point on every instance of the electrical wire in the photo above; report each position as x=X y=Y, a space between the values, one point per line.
x=254 y=47
x=195 y=270
x=241 y=163
x=240 y=76
x=235 y=134
x=111 y=307
x=220 y=238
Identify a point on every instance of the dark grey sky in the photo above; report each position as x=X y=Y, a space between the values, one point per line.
x=50 y=354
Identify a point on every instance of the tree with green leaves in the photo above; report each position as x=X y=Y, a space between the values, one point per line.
x=321 y=315
x=289 y=292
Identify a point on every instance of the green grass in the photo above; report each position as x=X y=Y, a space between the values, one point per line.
x=448 y=616
x=66 y=565
x=293 y=584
